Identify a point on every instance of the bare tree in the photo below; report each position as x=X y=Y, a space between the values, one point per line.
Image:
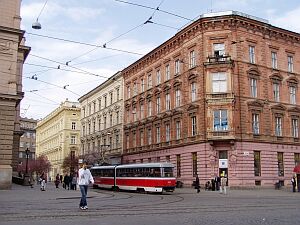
x=96 y=158
x=70 y=164
x=39 y=166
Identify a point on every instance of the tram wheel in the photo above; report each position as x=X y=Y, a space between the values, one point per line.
x=141 y=190
x=115 y=188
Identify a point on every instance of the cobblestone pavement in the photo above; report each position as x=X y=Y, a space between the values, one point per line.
x=24 y=205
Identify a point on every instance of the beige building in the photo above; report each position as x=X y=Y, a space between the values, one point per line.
x=102 y=120
x=57 y=135
x=12 y=56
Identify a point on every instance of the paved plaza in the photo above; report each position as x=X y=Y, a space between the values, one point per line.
x=24 y=205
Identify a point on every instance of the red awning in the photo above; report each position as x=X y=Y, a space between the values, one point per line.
x=297 y=169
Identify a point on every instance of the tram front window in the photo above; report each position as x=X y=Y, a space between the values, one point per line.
x=168 y=172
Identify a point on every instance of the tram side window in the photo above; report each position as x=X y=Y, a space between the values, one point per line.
x=95 y=173
x=107 y=173
x=139 y=172
x=168 y=172
x=154 y=172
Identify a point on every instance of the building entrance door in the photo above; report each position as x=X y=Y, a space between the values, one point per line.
x=223 y=164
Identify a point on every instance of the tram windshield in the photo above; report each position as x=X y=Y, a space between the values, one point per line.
x=168 y=172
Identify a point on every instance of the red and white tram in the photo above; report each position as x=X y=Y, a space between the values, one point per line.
x=146 y=177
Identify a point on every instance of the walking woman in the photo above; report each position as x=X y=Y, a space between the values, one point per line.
x=197 y=184
x=84 y=179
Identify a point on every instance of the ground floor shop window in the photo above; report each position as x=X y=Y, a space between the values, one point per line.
x=297 y=159
x=178 y=163
x=280 y=164
x=194 y=158
x=257 y=164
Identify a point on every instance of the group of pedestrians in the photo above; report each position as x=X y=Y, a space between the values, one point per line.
x=69 y=182
x=216 y=184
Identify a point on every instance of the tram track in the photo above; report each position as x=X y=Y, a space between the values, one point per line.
x=155 y=211
x=110 y=204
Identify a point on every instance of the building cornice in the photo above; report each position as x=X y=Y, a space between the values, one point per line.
x=59 y=110
x=203 y=24
x=14 y=31
x=105 y=84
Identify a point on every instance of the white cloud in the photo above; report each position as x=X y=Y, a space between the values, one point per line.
x=290 y=20
x=54 y=11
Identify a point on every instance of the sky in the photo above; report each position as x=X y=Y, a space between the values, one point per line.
x=68 y=57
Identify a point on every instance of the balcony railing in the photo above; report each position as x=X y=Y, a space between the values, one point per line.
x=223 y=135
x=218 y=59
x=219 y=97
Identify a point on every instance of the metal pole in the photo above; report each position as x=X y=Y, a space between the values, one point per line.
x=27 y=154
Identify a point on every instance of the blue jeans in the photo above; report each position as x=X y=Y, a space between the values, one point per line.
x=83 y=190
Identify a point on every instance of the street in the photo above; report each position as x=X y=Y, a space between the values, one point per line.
x=24 y=205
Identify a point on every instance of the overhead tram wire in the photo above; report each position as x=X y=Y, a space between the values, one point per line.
x=83 y=43
x=162 y=25
x=55 y=68
x=39 y=71
x=62 y=87
x=44 y=97
x=149 y=7
x=93 y=60
x=35 y=100
x=104 y=45
x=60 y=63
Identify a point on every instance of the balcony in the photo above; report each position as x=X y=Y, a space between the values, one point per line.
x=221 y=135
x=218 y=59
x=217 y=98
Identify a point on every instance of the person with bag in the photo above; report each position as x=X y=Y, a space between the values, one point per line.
x=43 y=182
x=84 y=179
x=57 y=181
x=223 y=185
x=197 y=184
x=293 y=181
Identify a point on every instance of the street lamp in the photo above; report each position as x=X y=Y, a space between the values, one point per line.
x=36 y=25
x=27 y=156
x=26 y=176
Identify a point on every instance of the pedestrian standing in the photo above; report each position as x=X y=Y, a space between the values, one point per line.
x=223 y=185
x=84 y=179
x=66 y=182
x=43 y=182
x=197 y=184
x=74 y=182
x=293 y=181
x=57 y=180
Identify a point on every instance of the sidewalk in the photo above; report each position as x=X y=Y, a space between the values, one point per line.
x=20 y=193
x=31 y=206
x=24 y=193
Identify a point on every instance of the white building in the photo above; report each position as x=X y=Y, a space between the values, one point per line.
x=102 y=121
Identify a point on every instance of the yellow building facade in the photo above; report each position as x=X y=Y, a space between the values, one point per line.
x=58 y=136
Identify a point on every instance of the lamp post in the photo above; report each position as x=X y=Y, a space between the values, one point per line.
x=26 y=176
